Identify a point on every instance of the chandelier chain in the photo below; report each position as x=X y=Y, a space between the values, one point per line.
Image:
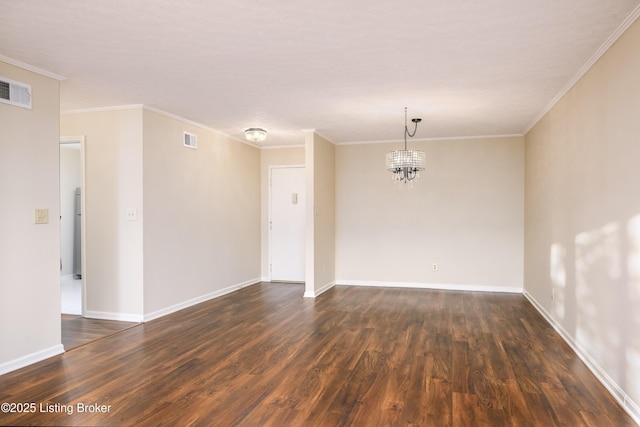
x=406 y=128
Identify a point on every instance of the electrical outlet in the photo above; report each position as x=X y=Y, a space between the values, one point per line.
x=434 y=267
x=41 y=216
x=131 y=214
x=553 y=294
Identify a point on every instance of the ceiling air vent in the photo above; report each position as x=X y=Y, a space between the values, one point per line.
x=15 y=93
x=189 y=140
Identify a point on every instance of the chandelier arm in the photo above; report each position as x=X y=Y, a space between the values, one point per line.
x=406 y=130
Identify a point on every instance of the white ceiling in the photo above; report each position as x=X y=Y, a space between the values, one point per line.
x=346 y=68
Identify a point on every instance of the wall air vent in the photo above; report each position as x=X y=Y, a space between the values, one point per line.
x=189 y=140
x=15 y=93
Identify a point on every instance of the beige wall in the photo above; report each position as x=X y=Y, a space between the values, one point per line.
x=29 y=253
x=320 y=212
x=202 y=214
x=582 y=232
x=465 y=213
x=197 y=232
x=113 y=167
x=269 y=158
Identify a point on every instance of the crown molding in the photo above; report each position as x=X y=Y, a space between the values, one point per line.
x=31 y=68
x=101 y=109
x=315 y=132
x=445 y=138
x=276 y=147
x=586 y=67
x=196 y=124
x=158 y=111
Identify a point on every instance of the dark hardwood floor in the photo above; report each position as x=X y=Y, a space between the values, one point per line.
x=77 y=330
x=265 y=356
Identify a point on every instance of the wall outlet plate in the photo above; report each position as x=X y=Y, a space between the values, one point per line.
x=41 y=216
x=131 y=214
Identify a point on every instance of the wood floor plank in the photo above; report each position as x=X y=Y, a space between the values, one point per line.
x=266 y=356
x=78 y=330
x=514 y=404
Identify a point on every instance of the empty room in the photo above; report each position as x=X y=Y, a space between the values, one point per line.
x=270 y=213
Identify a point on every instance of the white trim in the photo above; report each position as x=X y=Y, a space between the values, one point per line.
x=315 y=132
x=441 y=286
x=314 y=294
x=274 y=147
x=121 y=317
x=83 y=224
x=265 y=279
x=31 y=68
x=285 y=167
x=200 y=125
x=185 y=304
x=586 y=67
x=616 y=391
x=175 y=117
x=101 y=109
x=66 y=277
x=30 y=359
x=325 y=288
x=444 y=138
x=158 y=111
x=72 y=139
x=633 y=409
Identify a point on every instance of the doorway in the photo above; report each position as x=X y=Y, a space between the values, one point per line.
x=72 y=280
x=287 y=224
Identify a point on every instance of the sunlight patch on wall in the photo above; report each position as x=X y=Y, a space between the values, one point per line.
x=633 y=347
x=598 y=273
x=558 y=273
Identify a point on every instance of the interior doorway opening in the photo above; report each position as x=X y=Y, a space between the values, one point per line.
x=72 y=278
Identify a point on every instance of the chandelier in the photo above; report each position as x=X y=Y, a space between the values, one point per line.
x=406 y=164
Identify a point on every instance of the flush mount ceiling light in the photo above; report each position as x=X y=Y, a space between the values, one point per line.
x=406 y=164
x=255 y=134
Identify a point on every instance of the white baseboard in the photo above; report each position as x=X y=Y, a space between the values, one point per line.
x=32 y=358
x=265 y=279
x=106 y=315
x=448 y=287
x=182 y=305
x=616 y=391
x=66 y=277
x=325 y=288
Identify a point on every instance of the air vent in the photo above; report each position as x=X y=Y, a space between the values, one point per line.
x=190 y=140
x=15 y=93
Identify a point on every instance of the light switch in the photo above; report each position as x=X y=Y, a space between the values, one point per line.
x=131 y=214
x=294 y=198
x=41 y=216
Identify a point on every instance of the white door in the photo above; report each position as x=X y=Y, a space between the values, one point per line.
x=287 y=221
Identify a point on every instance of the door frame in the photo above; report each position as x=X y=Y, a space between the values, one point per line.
x=271 y=168
x=83 y=241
